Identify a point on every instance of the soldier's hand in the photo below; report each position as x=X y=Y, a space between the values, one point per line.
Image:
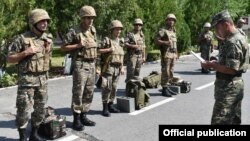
x=122 y=71
x=98 y=71
x=32 y=49
x=111 y=49
x=82 y=43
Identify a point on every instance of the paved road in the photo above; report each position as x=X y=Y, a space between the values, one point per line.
x=185 y=109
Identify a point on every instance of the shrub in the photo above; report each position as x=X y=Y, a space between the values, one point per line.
x=8 y=80
x=153 y=55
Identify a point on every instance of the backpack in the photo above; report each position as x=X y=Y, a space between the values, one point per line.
x=185 y=86
x=153 y=80
x=53 y=126
x=136 y=88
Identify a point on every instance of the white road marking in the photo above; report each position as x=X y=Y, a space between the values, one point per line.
x=205 y=86
x=69 y=138
x=151 y=106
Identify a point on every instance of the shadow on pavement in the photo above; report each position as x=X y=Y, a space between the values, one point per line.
x=7 y=124
x=63 y=111
x=7 y=139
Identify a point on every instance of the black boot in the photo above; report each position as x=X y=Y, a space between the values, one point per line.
x=165 y=92
x=85 y=121
x=105 y=111
x=22 y=134
x=34 y=136
x=170 y=91
x=112 y=108
x=77 y=125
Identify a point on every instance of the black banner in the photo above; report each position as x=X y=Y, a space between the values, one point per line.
x=203 y=132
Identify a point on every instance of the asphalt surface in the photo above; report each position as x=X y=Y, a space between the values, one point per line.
x=194 y=108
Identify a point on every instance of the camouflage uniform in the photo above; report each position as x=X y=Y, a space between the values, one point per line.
x=32 y=74
x=83 y=67
x=135 y=56
x=168 y=54
x=111 y=67
x=206 y=46
x=229 y=89
x=80 y=41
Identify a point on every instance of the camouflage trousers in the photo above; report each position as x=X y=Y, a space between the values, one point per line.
x=134 y=63
x=109 y=92
x=167 y=70
x=206 y=52
x=228 y=98
x=83 y=86
x=26 y=98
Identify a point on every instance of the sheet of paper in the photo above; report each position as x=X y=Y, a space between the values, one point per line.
x=197 y=56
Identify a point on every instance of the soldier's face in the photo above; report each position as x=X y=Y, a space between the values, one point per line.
x=87 y=21
x=137 y=27
x=220 y=30
x=116 y=32
x=170 y=22
x=42 y=25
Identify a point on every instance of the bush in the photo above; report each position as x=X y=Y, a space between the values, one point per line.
x=153 y=55
x=8 y=80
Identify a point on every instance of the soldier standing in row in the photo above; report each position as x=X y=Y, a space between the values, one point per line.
x=135 y=43
x=233 y=61
x=206 y=46
x=32 y=51
x=81 y=42
x=112 y=66
x=166 y=39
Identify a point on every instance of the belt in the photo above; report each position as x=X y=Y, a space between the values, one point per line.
x=85 y=59
x=115 y=64
x=228 y=77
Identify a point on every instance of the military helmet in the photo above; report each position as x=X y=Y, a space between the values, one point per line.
x=37 y=15
x=138 y=21
x=115 y=24
x=171 y=16
x=207 y=24
x=87 y=11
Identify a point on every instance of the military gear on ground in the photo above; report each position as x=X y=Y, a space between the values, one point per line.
x=138 y=21
x=85 y=121
x=153 y=80
x=207 y=24
x=37 y=15
x=185 y=86
x=112 y=108
x=77 y=125
x=105 y=111
x=22 y=134
x=115 y=24
x=136 y=88
x=53 y=126
x=87 y=11
x=171 y=16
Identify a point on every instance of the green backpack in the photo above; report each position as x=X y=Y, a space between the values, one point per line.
x=136 y=88
x=153 y=80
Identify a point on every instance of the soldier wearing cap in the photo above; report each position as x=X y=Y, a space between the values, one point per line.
x=232 y=62
x=205 y=42
x=167 y=40
x=135 y=44
x=32 y=51
x=112 y=55
x=81 y=42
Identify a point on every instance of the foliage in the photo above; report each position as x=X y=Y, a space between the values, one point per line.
x=8 y=80
x=153 y=55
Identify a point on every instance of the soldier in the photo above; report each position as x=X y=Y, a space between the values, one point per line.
x=206 y=46
x=233 y=61
x=112 y=66
x=81 y=42
x=135 y=43
x=240 y=23
x=166 y=39
x=31 y=51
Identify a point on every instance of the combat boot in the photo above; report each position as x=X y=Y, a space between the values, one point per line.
x=22 y=134
x=85 y=121
x=165 y=92
x=170 y=91
x=112 y=108
x=34 y=136
x=77 y=125
x=105 y=111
